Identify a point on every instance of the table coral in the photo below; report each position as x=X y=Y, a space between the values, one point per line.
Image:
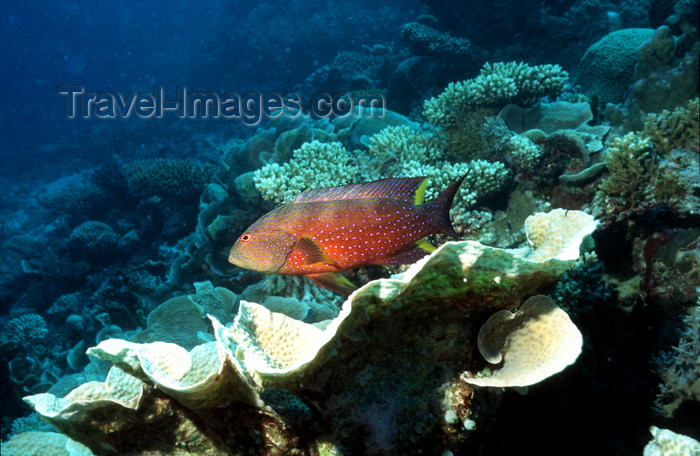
x=357 y=383
x=426 y=40
x=497 y=85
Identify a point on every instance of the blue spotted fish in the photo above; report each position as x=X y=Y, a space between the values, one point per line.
x=325 y=231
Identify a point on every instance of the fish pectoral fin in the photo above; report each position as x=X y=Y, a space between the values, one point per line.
x=425 y=245
x=333 y=281
x=313 y=252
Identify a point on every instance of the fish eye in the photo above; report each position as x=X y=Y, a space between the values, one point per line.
x=245 y=237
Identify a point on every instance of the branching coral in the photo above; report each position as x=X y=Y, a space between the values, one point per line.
x=464 y=106
x=680 y=370
x=314 y=164
x=167 y=178
x=390 y=149
x=402 y=151
x=496 y=85
x=636 y=181
x=677 y=129
x=632 y=164
x=425 y=40
x=24 y=330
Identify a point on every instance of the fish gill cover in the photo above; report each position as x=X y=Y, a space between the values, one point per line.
x=141 y=140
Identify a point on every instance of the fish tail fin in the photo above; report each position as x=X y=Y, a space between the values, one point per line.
x=443 y=203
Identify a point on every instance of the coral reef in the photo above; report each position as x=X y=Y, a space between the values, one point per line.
x=293 y=386
x=313 y=165
x=607 y=67
x=496 y=85
x=44 y=444
x=636 y=181
x=463 y=107
x=680 y=369
x=23 y=330
x=677 y=129
x=426 y=40
x=167 y=178
x=668 y=443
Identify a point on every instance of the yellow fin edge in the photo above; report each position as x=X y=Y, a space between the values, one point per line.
x=419 y=196
x=425 y=245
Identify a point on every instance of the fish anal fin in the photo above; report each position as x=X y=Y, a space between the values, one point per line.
x=333 y=281
x=313 y=252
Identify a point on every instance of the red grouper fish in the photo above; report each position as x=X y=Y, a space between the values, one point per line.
x=328 y=230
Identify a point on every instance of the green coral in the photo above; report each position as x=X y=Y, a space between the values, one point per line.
x=638 y=179
x=677 y=129
x=314 y=164
x=632 y=163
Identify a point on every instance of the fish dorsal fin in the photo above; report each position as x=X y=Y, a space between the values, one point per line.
x=313 y=251
x=405 y=188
